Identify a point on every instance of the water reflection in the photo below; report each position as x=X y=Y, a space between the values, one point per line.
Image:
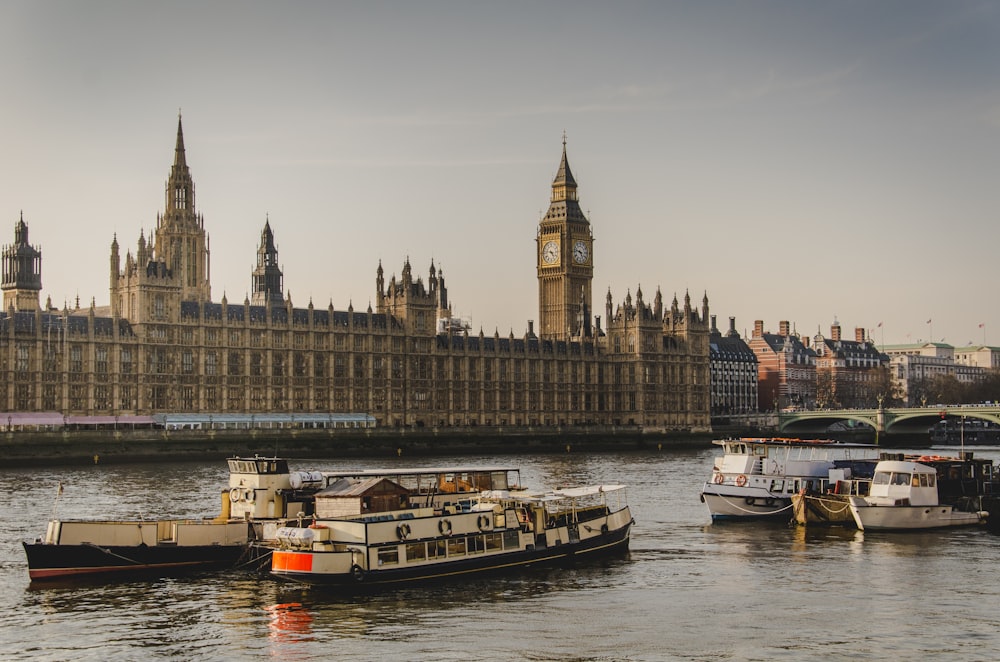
x=688 y=589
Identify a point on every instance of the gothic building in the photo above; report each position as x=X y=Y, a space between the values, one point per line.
x=163 y=345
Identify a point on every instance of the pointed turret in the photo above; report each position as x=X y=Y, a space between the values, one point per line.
x=564 y=185
x=22 y=271
x=267 y=277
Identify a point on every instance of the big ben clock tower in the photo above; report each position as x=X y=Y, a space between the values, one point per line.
x=565 y=248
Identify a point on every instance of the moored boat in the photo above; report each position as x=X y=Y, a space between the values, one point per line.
x=261 y=492
x=379 y=529
x=756 y=478
x=962 y=481
x=810 y=506
x=905 y=496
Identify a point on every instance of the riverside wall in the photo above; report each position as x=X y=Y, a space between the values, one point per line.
x=23 y=448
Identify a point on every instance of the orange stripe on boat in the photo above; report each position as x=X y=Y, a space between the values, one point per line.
x=292 y=561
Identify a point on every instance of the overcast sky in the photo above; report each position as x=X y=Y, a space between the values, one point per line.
x=801 y=161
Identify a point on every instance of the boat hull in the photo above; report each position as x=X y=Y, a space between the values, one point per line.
x=910 y=518
x=62 y=562
x=815 y=508
x=727 y=502
x=613 y=542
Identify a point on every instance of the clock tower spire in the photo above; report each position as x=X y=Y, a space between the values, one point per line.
x=565 y=260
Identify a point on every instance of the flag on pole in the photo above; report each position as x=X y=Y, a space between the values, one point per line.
x=981 y=325
x=880 y=325
x=928 y=321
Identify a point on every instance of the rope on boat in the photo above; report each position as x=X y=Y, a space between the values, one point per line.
x=845 y=506
x=110 y=553
x=754 y=512
x=247 y=559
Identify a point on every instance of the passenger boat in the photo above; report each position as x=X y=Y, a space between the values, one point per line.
x=904 y=496
x=385 y=528
x=261 y=491
x=756 y=478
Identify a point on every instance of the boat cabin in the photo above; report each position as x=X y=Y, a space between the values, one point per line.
x=903 y=483
x=352 y=497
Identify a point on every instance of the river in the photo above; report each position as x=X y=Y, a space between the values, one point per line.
x=688 y=589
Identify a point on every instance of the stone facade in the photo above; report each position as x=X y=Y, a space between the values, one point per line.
x=734 y=372
x=163 y=345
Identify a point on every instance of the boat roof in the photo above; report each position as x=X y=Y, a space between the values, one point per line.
x=791 y=441
x=415 y=471
x=904 y=466
x=348 y=488
x=569 y=493
x=409 y=471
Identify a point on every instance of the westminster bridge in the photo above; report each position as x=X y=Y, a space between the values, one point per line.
x=885 y=420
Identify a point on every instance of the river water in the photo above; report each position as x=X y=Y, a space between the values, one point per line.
x=688 y=589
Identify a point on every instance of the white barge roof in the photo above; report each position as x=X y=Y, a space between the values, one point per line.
x=569 y=492
x=415 y=471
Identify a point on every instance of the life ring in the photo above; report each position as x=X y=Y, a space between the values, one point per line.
x=444 y=526
x=234 y=494
x=358 y=573
x=484 y=522
x=719 y=479
x=741 y=480
x=403 y=531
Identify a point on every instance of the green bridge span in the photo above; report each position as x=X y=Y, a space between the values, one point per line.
x=902 y=420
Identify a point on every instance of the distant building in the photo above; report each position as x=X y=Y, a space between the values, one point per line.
x=979 y=356
x=913 y=363
x=734 y=372
x=850 y=374
x=786 y=368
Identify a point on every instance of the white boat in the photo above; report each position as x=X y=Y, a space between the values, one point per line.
x=756 y=477
x=904 y=496
x=386 y=528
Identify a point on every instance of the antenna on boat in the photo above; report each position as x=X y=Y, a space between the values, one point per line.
x=55 y=502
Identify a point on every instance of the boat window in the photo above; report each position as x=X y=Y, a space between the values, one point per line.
x=881 y=478
x=777 y=485
x=494 y=542
x=511 y=539
x=416 y=551
x=477 y=544
x=456 y=547
x=923 y=480
x=498 y=480
x=899 y=478
x=436 y=549
x=931 y=480
x=388 y=556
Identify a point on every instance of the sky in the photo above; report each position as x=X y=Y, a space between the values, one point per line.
x=803 y=161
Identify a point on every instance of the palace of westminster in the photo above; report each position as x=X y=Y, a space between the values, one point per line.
x=163 y=345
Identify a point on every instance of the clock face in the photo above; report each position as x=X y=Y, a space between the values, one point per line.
x=580 y=252
x=550 y=252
